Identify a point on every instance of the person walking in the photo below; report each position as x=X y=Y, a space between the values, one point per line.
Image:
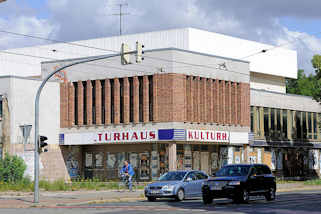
x=128 y=171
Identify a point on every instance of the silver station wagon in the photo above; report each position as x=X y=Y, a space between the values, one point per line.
x=177 y=184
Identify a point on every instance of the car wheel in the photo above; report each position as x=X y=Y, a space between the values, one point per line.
x=151 y=198
x=270 y=195
x=244 y=196
x=180 y=195
x=207 y=199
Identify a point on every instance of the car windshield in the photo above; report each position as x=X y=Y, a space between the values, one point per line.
x=172 y=176
x=232 y=171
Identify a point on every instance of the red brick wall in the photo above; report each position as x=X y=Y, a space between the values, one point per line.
x=98 y=102
x=176 y=98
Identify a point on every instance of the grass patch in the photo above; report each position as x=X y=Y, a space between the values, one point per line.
x=60 y=185
x=313 y=182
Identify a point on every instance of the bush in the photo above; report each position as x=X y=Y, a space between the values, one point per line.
x=12 y=168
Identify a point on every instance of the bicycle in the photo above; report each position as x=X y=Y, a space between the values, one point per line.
x=124 y=182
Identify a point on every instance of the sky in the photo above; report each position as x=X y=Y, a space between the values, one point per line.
x=293 y=24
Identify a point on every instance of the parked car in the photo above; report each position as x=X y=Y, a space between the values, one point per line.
x=239 y=182
x=177 y=184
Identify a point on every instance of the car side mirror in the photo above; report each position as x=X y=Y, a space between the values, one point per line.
x=188 y=179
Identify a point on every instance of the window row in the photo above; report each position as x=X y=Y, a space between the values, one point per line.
x=284 y=124
x=116 y=101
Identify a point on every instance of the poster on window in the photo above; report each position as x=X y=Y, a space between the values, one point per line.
x=99 y=160
x=214 y=160
x=273 y=159
x=187 y=157
x=89 y=160
x=133 y=159
x=237 y=159
x=316 y=158
x=252 y=159
x=196 y=160
x=111 y=160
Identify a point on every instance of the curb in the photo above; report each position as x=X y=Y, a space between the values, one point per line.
x=102 y=201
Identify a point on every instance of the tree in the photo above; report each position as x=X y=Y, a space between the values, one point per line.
x=12 y=168
x=316 y=63
x=303 y=85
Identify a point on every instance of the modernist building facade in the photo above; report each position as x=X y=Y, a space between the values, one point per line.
x=192 y=104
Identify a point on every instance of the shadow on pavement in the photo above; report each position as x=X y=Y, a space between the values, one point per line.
x=285 y=203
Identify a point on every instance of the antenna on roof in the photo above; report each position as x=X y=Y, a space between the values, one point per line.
x=120 y=14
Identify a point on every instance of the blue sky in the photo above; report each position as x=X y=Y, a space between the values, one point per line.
x=274 y=22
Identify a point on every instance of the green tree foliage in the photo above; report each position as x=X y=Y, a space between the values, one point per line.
x=303 y=85
x=12 y=168
x=316 y=63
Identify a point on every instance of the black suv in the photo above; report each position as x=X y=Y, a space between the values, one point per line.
x=238 y=182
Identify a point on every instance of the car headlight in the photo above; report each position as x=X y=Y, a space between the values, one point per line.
x=234 y=183
x=205 y=183
x=168 y=187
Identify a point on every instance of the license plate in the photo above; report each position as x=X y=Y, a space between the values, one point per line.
x=216 y=188
x=155 y=192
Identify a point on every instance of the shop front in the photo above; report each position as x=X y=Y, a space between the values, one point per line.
x=151 y=152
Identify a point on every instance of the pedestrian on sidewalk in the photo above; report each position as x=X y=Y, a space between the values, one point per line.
x=128 y=171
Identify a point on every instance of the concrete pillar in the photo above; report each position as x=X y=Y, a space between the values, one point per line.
x=289 y=125
x=6 y=131
x=116 y=101
x=98 y=102
x=89 y=104
x=107 y=102
x=261 y=115
x=145 y=99
x=154 y=162
x=126 y=100
x=172 y=160
x=80 y=103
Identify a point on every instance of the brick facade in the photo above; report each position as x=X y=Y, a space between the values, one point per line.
x=176 y=98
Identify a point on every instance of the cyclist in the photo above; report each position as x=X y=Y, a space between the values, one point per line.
x=128 y=171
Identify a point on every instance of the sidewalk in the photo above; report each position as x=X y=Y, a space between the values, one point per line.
x=70 y=198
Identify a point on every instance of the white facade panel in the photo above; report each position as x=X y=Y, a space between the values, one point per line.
x=277 y=61
x=21 y=97
x=239 y=138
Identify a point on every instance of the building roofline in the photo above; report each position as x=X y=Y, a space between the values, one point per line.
x=153 y=50
x=285 y=94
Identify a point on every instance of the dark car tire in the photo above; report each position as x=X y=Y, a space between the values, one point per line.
x=180 y=195
x=149 y=198
x=244 y=196
x=207 y=199
x=270 y=195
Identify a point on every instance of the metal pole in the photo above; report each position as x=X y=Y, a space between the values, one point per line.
x=36 y=172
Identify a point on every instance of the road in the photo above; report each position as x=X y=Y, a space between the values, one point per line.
x=290 y=202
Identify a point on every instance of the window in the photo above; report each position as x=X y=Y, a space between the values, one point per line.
x=76 y=102
x=258 y=122
x=141 y=99
x=121 y=88
x=266 y=122
x=93 y=92
x=112 y=109
x=103 y=101
x=273 y=119
x=315 y=126
x=151 y=97
x=278 y=122
x=252 y=119
x=309 y=125
x=192 y=176
x=304 y=125
x=85 y=102
x=131 y=99
x=284 y=123
x=298 y=124
x=0 y=107
x=200 y=176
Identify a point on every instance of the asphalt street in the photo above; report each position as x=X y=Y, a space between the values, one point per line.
x=290 y=202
